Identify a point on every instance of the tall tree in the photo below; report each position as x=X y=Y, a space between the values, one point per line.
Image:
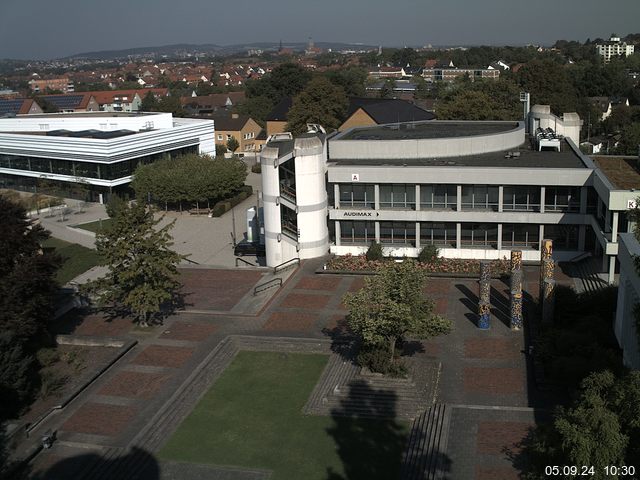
x=320 y=102
x=149 y=103
x=549 y=84
x=391 y=305
x=142 y=268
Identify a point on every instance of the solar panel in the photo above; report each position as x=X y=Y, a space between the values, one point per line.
x=10 y=106
x=66 y=101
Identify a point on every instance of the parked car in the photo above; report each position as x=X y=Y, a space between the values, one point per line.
x=249 y=248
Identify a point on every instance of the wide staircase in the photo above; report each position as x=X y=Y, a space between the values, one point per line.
x=587 y=271
x=424 y=457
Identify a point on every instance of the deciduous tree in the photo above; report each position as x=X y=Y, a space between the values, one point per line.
x=320 y=102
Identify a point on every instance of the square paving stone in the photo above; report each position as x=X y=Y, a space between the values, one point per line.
x=215 y=289
x=134 y=384
x=441 y=306
x=301 y=300
x=163 y=356
x=189 y=331
x=492 y=348
x=100 y=419
x=494 y=381
x=291 y=322
x=357 y=284
x=337 y=324
x=501 y=438
x=437 y=286
x=319 y=283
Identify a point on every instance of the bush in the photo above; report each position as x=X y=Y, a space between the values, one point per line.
x=52 y=383
x=428 y=254
x=222 y=207
x=375 y=252
x=377 y=359
x=257 y=168
x=47 y=356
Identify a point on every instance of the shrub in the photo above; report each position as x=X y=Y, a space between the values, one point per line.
x=52 y=383
x=47 y=356
x=375 y=252
x=257 y=168
x=377 y=359
x=428 y=254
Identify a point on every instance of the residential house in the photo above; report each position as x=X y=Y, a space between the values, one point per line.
x=364 y=112
x=614 y=48
x=42 y=85
x=277 y=118
x=241 y=127
x=19 y=106
x=607 y=104
x=73 y=102
x=125 y=100
x=209 y=104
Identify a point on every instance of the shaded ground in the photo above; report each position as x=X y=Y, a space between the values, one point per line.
x=76 y=259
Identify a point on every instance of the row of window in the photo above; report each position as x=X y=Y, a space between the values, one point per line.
x=444 y=234
x=474 y=197
x=111 y=171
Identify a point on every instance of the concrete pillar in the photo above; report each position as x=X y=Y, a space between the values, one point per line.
x=338 y=233
x=583 y=200
x=605 y=261
x=516 y=260
x=548 y=295
x=500 y=235
x=484 y=296
x=582 y=234
x=500 y=200
x=336 y=194
x=417 y=234
x=542 y=195
x=417 y=197
x=540 y=236
x=376 y=195
x=458 y=235
x=614 y=227
x=612 y=269
x=459 y=198
x=607 y=221
x=515 y=320
x=377 y=232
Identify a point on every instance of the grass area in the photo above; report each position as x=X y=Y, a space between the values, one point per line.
x=252 y=417
x=76 y=259
x=94 y=226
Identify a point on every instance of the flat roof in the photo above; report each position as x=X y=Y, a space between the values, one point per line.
x=427 y=130
x=622 y=172
x=87 y=114
x=528 y=158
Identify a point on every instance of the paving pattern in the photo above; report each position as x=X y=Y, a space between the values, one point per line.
x=482 y=376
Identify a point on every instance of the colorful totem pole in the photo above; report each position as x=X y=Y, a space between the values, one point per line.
x=547 y=282
x=484 y=296
x=516 y=290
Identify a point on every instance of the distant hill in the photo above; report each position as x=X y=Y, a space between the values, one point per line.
x=209 y=49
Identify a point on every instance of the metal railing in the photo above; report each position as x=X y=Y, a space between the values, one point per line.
x=285 y=265
x=190 y=261
x=244 y=261
x=274 y=282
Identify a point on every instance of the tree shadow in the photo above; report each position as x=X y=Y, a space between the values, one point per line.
x=137 y=463
x=369 y=439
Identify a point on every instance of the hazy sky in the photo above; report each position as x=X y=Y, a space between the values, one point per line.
x=47 y=29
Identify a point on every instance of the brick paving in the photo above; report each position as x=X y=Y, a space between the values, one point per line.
x=496 y=473
x=81 y=322
x=134 y=384
x=99 y=419
x=163 y=356
x=485 y=368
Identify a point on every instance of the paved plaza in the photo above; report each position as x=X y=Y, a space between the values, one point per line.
x=484 y=376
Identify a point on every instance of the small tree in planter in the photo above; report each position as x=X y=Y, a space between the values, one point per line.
x=232 y=144
x=390 y=306
x=375 y=252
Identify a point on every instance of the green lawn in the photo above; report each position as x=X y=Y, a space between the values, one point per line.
x=94 y=226
x=252 y=418
x=76 y=259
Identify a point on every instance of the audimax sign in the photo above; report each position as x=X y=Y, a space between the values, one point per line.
x=359 y=214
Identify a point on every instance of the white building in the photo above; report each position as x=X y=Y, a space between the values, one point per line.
x=614 y=48
x=473 y=189
x=99 y=149
x=628 y=300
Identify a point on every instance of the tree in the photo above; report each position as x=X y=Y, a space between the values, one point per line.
x=257 y=108
x=480 y=100
x=352 y=79
x=232 y=144
x=630 y=141
x=142 y=268
x=549 y=84
x=390 y=306
x=149 y=103
x=320 y=102
x=386 y=91
x=171 y=105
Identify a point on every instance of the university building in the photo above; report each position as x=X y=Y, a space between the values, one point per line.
x=473 y=189
x=98 y=149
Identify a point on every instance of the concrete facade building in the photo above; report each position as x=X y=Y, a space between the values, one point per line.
x=474 y=189
x=625 y=327
x=614 y=48
x=101 y=150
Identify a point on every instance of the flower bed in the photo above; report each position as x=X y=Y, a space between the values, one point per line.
x=359 y=263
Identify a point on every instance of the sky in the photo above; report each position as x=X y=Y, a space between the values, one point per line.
x=39 y=29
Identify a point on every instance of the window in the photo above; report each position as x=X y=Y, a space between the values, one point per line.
x=228 y=137
x=562 y=199
x=520 y=236
x=479 y=235
x=289 y=222
x=565 y=237
x=441 y=234
x=479 y=197
x=220 y=137
x=357 y=195
x=398 y=233
x=521 y=198
x=438 y=197
x=398 y=196
x=357 y=233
